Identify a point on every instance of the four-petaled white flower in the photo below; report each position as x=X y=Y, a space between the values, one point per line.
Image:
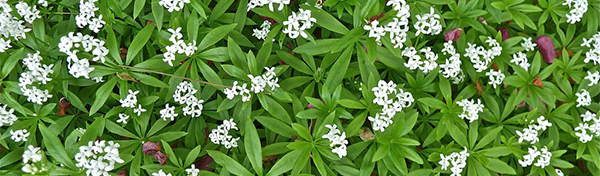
x=428 y=23
x=161 y=173
x=173 y=5
x=520 y=59
x=168 y=113
x=593 y=54
x=19 y=135
x=496 y=77
x=527 y=44
x=262 y=32
x=7 y=116
x=583 y=98
x=178 y=46
x=259 y=3
x=123 y=118
x=593 y=77
x=192 y=171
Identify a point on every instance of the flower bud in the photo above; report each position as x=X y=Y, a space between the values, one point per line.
x=150 y=148
x=160 y=157
x=310 y=106
x=546 y=46
x=453 y=35
x=505 y=34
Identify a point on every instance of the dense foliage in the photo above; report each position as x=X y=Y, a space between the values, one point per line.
x=299 y=87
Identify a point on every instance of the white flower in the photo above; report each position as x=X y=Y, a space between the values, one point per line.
x=178 y=46
x=543 y=157
x=236 y=90
x=173 y=5
x=451 y=68
x=32 y=154
x=471 y=109
x=98 y=158
x=4 y=45
x=43 y=3
x=297 y=23
x=161 y=173
x=520 y=59
x=123 y=118
x=559 y=172
x=35 y=72
x=481 y=57
x=139 y=110
x=533 y=130
x=594 y=53
x=397 y=30
x=583 y=98
x=11 y=26
x=31 y=161
x=593 y=77
x=28 y=13
x=168 y=113
x=456 y=160
x=19 y=135
x=264 y=30
x=130 y=101
x=221 y=136
x=71 y=44
x=97 y=79
x=392 y=101
x=259 y=3
x=337 y=139
x=87 y=16
x=496 y=77
x=7 y=116
x=527 y=44
x=192 y=171
x=588 y=128
x=375 y=31
x=185 y=95
x=428 y=23
x=415 y=62
x=577 y=10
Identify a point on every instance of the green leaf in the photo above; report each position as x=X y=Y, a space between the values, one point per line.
x=54 y=147
x=338 y=70
x=215 y=35
x=276 y=126
x=138 y=42
x=138 y=6
x=499 y=166
x=157 y=13
x=253 y=147
x=116 y=129
x=274 y=108
x=150 y=80
x=327 y=21
x=192 y=155
x=102 y=95
x=228 y=163
x=285 y=164
x=12 y=61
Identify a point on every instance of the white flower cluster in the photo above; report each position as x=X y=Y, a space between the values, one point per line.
x=161 y=173
x=173 y=5
x=451 y=68
x=43 y=3
x=520 y=59
x=36 y=72
x=594 y=53
x=11 y=26
x=496 y=77
x=533 y=130
x=259 y=3
x=7 y=116
x=178 y=46
x=264 y=30
x=99 y=157
x=583 y=98
x=577 y=10
x=87 y=16
x=397 y=28
x=258 y=85
x=185 y=94
x=337 y=139
x=221 y=136
x=593 y=77
x=392 y=100
x=456 y=160
x=415 y=62
x=168 y=113
x=589 y=128
x=70 y=44
x=543 y=157
x=192 y=171
x=481 y=57
x=428 y=23
x=131 y=101
x=19 y=135
x=28 y=13
x=297 y=23
x=32 y=158
x=471 y=109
